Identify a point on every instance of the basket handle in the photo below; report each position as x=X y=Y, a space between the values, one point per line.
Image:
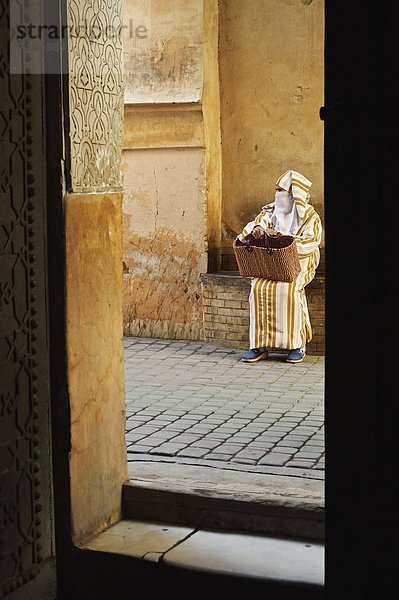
x=248 y=243
x=268 y=234
x=272 y=232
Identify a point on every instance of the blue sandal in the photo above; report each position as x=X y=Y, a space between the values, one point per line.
x=254 y=354
x=297 y=355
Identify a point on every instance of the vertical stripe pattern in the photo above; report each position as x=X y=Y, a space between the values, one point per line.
x=279 y=316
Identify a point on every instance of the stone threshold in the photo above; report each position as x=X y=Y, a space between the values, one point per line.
x=204 y=497
x=201 y=532
x=301 y=472
x=237 y=561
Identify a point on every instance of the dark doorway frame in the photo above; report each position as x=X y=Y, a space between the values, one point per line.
x=58 y=182
x=359 y=161
x=354 y=60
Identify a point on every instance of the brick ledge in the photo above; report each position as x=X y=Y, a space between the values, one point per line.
x=226 y=309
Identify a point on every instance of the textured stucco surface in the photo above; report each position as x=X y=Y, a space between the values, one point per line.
x=164 y=241
x=163 y=50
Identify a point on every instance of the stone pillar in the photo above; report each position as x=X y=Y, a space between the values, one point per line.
x=212 y=133
x=93 y=229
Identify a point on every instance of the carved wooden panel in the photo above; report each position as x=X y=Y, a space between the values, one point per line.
x=26 y=522
x=96 y=94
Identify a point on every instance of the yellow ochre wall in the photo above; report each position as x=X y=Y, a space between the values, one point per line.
x=164 y=162
x=271 y=57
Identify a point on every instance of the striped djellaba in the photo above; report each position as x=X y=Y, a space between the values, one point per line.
x=279 y=317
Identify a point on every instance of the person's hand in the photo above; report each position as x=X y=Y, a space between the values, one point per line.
x=258 y=232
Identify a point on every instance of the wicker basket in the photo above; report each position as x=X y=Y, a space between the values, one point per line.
x=270 y=257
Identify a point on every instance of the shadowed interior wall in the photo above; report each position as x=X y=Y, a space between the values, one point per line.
x=27 y=536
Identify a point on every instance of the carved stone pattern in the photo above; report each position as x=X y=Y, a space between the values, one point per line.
x=24 y=420
x=96 y=94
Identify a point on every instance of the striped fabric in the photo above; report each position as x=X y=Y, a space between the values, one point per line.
x=279 y=317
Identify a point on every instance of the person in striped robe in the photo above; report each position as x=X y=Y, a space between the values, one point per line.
x=279 y=317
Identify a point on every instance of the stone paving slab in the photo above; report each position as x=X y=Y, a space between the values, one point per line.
x=196 y=403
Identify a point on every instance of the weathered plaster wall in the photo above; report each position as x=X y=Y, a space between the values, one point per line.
x=272 y=80
x=165 y=245
x=163 y=50
x=164 y=242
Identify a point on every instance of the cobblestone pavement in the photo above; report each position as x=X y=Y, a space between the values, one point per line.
x=196 y=403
